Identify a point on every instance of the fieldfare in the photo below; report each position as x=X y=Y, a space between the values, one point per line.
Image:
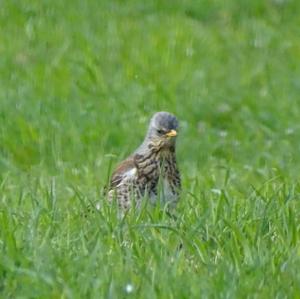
x=151 y=171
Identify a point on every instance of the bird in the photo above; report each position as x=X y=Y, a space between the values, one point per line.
x=151 y=170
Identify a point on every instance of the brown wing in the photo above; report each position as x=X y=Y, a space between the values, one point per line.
x=120 y=172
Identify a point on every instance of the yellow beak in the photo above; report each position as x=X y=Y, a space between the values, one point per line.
x=172 y=133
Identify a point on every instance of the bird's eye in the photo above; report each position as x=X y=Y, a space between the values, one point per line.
x=160 y=132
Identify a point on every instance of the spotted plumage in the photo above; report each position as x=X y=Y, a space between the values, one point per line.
x=151 y=171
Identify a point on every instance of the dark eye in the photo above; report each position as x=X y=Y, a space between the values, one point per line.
x=159 y=131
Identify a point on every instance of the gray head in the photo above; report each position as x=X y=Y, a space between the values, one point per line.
x=162 y=130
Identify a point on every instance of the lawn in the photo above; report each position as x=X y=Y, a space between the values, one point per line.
x=79 y=82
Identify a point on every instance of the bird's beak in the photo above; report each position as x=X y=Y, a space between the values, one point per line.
x=172 y=133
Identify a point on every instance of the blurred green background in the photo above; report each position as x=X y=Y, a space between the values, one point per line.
x=80 y=80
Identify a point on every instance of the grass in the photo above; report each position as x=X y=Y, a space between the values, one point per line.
x=79 y=82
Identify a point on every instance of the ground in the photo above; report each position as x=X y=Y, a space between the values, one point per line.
x=79 y=82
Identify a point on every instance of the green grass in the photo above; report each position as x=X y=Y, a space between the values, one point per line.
x=79 y=82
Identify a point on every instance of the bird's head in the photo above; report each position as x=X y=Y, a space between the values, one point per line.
x=162 y=130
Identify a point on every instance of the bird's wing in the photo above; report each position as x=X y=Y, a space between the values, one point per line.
x=126 y=171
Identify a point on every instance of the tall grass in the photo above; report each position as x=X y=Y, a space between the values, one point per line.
x=79 y=82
